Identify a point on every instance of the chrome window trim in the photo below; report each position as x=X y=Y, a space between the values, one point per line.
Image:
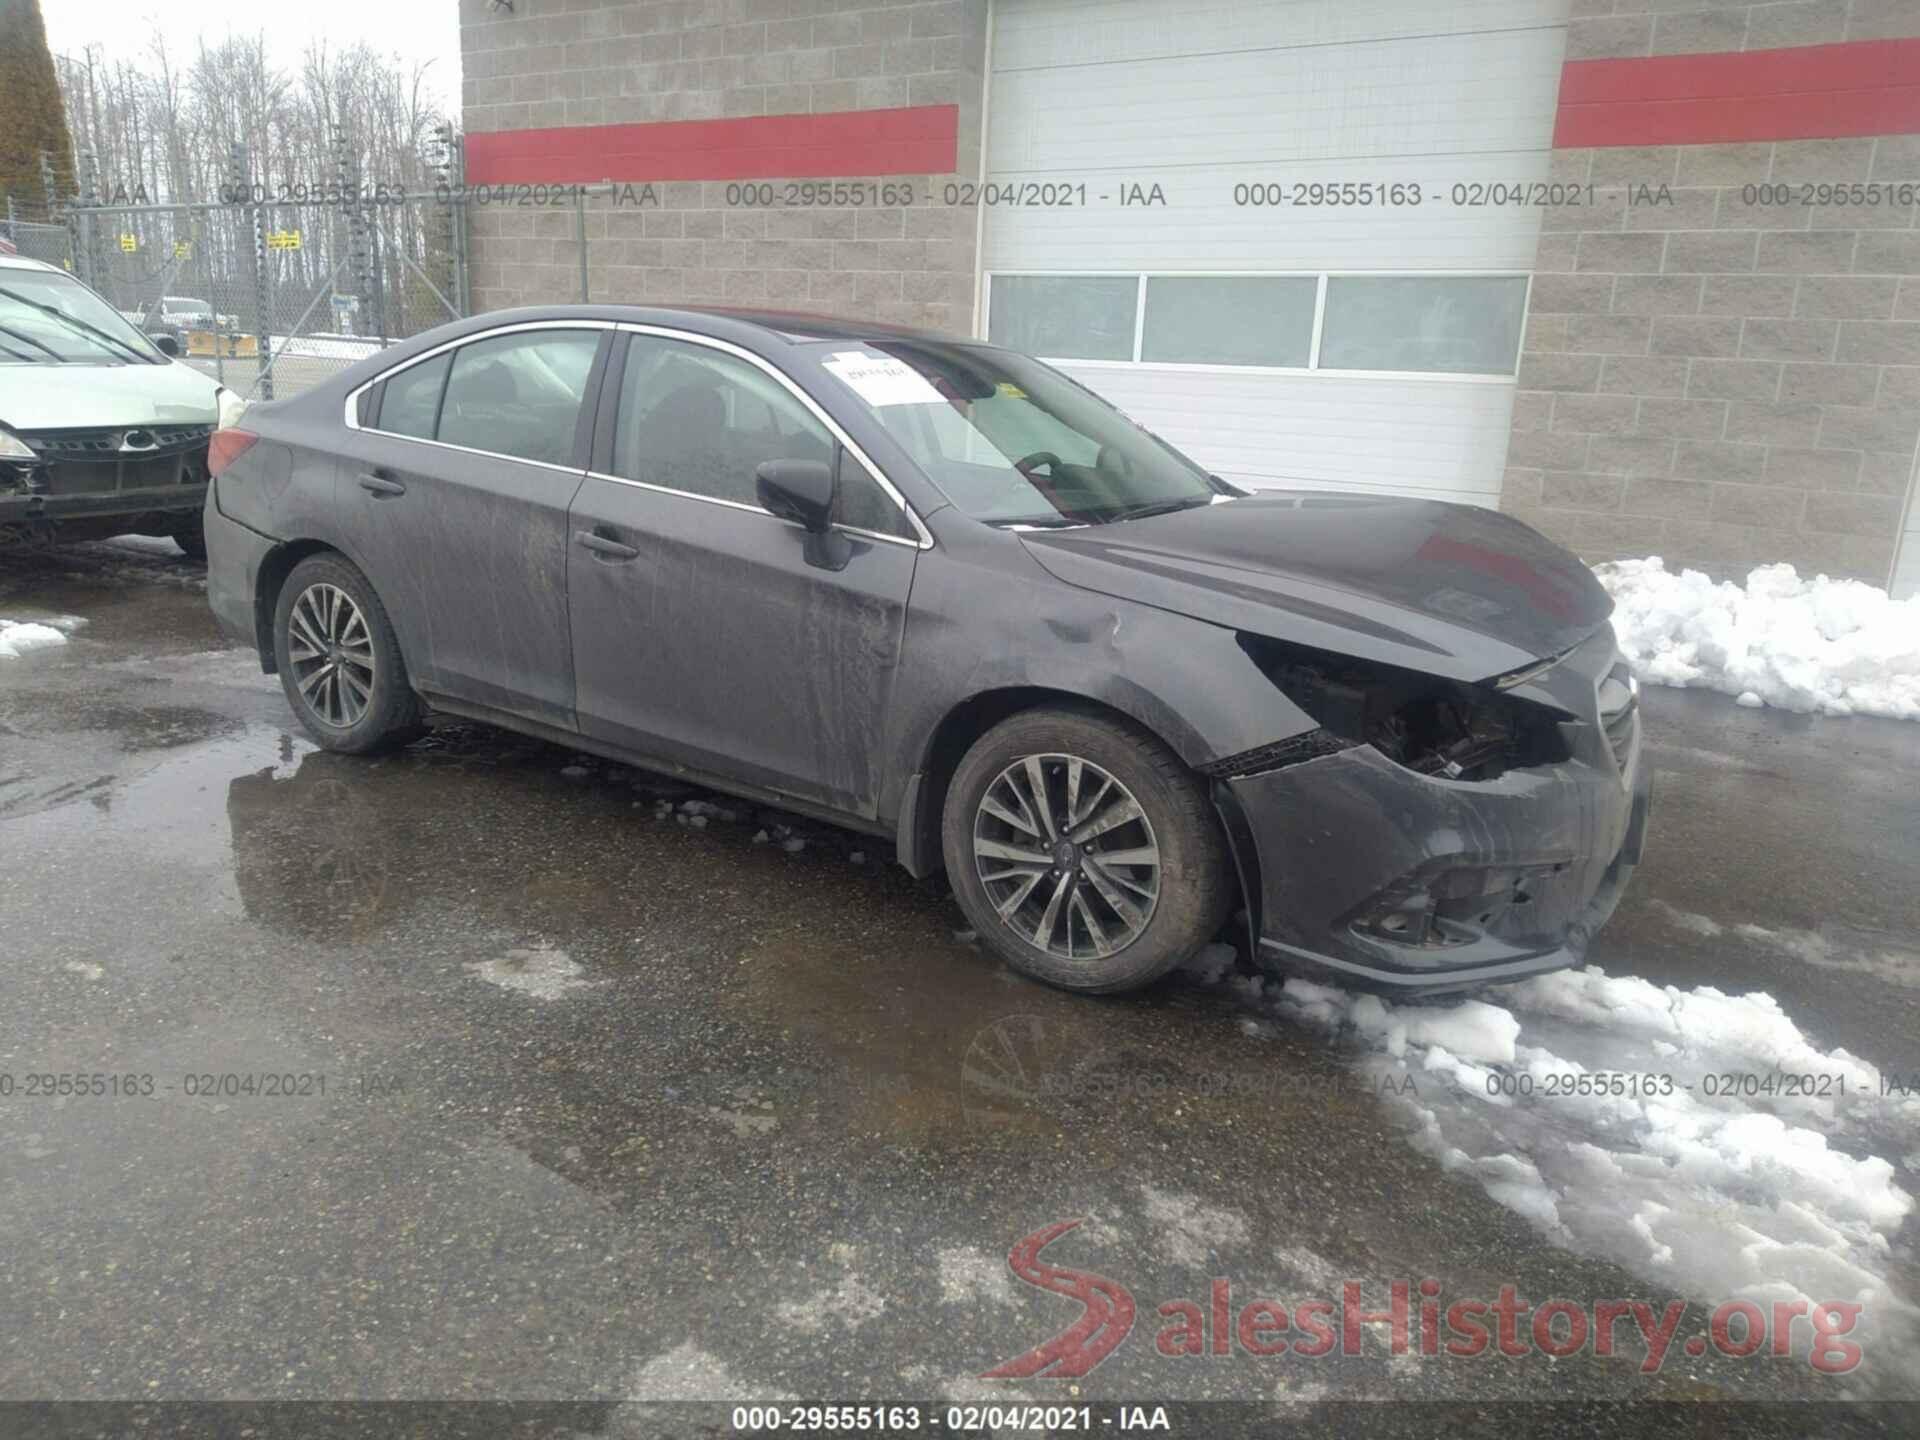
x=352 y=421
x=925 y=542
x=741 y=505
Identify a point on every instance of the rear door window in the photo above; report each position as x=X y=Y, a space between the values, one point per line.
x=518 y=394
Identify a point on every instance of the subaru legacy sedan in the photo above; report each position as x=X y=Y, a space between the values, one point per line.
x=938 y=591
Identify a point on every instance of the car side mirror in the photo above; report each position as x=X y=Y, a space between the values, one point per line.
x=166 y=344
x=797 y=490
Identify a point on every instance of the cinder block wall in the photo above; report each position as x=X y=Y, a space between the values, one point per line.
x=1720 y=382
x=556 y=63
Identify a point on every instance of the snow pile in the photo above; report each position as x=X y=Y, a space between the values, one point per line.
x=17 y=637
x=1719 y=1196
x=1835 y=646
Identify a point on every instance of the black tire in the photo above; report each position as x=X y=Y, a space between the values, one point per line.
x=192 y=538
x=1195 y=884
x=392 y=714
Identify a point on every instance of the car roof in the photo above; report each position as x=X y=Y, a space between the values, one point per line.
x=794 y=326
x=766 y=331
x=22 y=262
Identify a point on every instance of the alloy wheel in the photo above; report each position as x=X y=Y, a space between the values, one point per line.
x=331 y=651
x=1067 y=856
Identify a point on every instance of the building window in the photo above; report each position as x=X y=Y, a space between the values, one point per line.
x=1410 y=324
x=1068 y=317
x=1455 y=325
x=1230 y=320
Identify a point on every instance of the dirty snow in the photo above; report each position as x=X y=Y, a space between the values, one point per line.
x=1719 y=1196
x=1839 y=647
x=1211 y=963
x=17 y=637
x=687 y=1372
x=542 y=971
x=969 y=1276
x=851 y=1303
x=1188 y=1230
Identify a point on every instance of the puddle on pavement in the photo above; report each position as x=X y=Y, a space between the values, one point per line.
x=582 y=891
x=137 y=602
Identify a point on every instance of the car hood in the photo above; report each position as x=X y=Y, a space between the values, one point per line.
x=1449 y=590
x=78 y=397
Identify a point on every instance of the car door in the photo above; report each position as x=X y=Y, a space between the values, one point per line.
x=455 y=492
x=702 y=631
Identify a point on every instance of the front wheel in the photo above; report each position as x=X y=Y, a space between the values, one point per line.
x=339 y=662
x=1083 y=851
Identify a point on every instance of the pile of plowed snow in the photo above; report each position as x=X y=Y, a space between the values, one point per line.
x=1697 y=1137
x=17 y=637
x=1835 y=646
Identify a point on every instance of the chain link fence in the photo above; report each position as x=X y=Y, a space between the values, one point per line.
x=273 y=297
x=268 y=288
x=37 y=240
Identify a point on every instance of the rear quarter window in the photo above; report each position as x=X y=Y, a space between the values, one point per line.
x=411 y=400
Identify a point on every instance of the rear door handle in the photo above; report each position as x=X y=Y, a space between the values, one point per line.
x=380 y=485
x=601 y=545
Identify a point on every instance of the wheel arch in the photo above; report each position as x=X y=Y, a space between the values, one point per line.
x=268 y=584
x=917 y=838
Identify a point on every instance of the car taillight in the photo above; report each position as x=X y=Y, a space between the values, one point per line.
x=227 y=446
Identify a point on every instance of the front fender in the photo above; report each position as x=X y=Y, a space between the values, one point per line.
x=1001 y=627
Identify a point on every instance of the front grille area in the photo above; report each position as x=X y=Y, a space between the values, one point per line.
x=99 y=462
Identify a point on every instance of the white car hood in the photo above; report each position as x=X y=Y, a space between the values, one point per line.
x=78 y=397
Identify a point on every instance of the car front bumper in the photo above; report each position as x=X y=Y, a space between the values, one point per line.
x=88 y=482
x=31 y=510
x=1369 y=875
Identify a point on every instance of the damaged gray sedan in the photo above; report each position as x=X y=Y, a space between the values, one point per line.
x=937 y=591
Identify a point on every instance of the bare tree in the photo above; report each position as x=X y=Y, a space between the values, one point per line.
x=159 y=128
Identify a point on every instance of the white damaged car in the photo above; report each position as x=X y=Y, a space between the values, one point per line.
x=103 y=431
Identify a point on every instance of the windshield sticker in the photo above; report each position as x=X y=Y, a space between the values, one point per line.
x=882 y=380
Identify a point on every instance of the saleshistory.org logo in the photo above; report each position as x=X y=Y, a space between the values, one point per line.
x=1506 y=1326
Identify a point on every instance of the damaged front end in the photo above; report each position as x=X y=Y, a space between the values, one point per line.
x=89 y=483
x=1433 y=834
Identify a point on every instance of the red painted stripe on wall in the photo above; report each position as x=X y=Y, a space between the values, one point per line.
x=1809 y=92
x=915 y=140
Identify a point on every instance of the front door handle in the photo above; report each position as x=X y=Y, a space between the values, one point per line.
x=601 y=545
x=380 y=485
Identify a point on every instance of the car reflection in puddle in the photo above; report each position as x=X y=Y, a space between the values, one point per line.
x=804 y=993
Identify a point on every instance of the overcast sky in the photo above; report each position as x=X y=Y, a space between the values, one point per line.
x=414 y=29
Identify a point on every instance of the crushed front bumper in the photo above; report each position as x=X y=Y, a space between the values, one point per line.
x=89 y=482
x=1369 y=875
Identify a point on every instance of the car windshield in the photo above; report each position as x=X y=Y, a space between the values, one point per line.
x=1014 y=442
x=47 y=318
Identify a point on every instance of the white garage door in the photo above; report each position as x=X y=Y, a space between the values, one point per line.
x=1333 y=291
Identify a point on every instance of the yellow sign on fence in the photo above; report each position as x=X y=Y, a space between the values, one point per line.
x=283 y=240
x=236 y=347
x=129 y=243
x=181 y=249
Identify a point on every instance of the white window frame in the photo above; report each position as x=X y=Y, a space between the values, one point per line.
x=1313 y=366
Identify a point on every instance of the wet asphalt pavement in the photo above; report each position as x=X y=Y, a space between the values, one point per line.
x=593 y=1102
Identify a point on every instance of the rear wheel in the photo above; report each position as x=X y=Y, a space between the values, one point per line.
x=339 y=662
x=1083 y=851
